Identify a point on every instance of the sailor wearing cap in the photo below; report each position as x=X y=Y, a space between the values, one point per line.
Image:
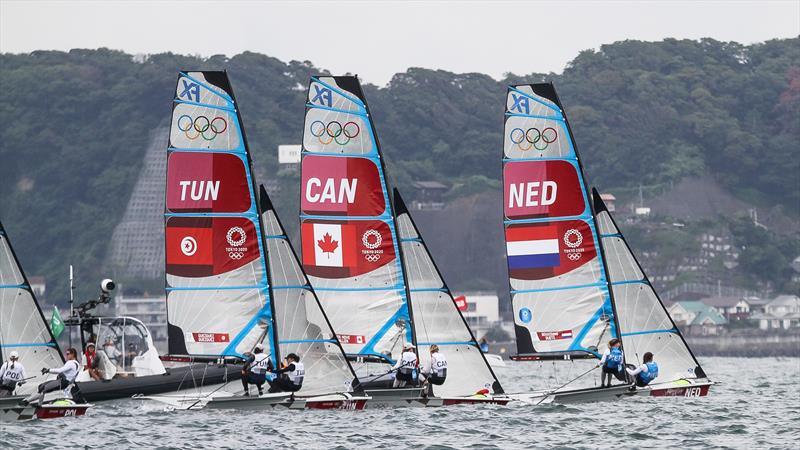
x=12 y=374
x=255 y=369
x=406 y=367
x=91 y=362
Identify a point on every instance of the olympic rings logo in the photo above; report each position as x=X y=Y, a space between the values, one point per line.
x=202 y=126
x=532 y=137
x=334 y=132
x=372 y=258
x=236 y=255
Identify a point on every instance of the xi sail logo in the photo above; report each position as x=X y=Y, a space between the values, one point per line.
x=190 y=90
x=521 y=104
x=236 y=237
x=322 y=96
x=188 y=246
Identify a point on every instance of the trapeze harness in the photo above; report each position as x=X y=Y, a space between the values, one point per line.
x=408 y=364
x=296 y=376
x=614 y=359
x=10 y=375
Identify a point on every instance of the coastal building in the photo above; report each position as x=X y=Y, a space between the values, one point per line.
x=782 y=312
x=428 y=195
x=697 y=318
x=482 y=311
x=38 y=286
x=733 y=308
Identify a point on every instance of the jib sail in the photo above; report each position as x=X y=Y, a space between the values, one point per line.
x=218 y=294
x=350 y=246
x=437 y=319
x=303 y=326
x=644 y=323
x=561 y=302
x=23 y=327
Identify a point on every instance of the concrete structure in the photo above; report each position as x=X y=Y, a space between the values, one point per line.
x=152 y=311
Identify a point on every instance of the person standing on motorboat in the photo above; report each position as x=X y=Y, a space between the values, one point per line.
x=436 y=372
x=91 y=362
x=406 y=367
x=12 y=374
x=645 y=373
x=612 y=363
x=290 y=377
x=255 y=369
x=66 y=376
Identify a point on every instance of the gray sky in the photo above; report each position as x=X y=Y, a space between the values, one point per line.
x=377 y=39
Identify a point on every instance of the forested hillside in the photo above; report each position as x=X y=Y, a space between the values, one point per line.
x=74 y=127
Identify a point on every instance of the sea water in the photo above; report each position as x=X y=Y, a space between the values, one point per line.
x=755 y=405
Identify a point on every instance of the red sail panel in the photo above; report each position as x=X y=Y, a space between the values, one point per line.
x=543 y=250
x=534 y=189
x=341 y=186
x=206 y=246
x=207 y=182
x=344 y=249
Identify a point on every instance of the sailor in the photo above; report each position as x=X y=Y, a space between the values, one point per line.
x=290 y=377
x=612 y=362
x=436 y=371
x=645 y=373
x=255 y=369
x=66 y=376
x=12 y=374
x=406 y=367
x=91 y=362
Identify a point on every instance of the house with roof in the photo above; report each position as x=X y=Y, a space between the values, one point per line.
x=695 y=317
x=782 y=312
x=732 y=307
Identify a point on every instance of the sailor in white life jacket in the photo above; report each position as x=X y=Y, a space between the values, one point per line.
x=66 y=378
x=290 y=377
x=436 y=371
x=12 y=374
x=406 y=367
x=256 y=368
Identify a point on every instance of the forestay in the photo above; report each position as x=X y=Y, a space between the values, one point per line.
x=23 y=327
x=302 y=324
x=644 y=323
x=218 y=296
x=561 y=302
x=437 y=319
x=349 y=240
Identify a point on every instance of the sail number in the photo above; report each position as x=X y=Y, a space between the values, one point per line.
x=692 y=392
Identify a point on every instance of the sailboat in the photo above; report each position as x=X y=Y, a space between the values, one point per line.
x=367 y=262
x=24 y=329
x=566 y=293
x=233 y=280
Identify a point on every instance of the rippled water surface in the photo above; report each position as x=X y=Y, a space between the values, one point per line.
x=757 y=405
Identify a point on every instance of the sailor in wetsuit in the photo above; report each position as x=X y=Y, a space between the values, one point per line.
x=255 y=369
x=12 y=374
x=645 y=373
x=290 y=378
x=406 y=367
x=612 y=362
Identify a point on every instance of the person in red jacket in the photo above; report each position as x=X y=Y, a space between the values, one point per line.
x=91 y=362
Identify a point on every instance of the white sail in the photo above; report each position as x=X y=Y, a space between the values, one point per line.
x=23 y=327
x=645 y=325
x=437 y=319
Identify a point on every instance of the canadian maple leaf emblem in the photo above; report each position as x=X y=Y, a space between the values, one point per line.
x=327 y=244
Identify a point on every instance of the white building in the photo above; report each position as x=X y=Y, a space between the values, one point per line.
x=482 y=311
x=783 y=312
x=152 y=311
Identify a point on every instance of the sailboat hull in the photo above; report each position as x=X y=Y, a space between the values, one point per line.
x=19 y=412
x=287 y=401
x=412 y=397
x=700 y=389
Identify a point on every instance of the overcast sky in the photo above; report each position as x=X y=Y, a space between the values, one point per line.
x=377 y=39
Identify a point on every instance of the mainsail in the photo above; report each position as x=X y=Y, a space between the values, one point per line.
x=350 y=246
x=23 y=327
x=437 y=317
x=218 y=293
x=302 y=324
x=561 y=300
x=644 y=324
